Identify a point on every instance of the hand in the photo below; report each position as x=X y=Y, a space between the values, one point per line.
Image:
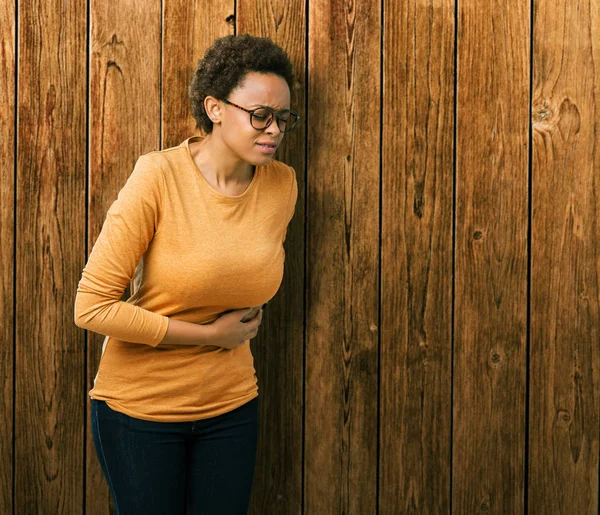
x=229 y=330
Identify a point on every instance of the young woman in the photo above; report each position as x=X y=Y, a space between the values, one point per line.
x=199 y=227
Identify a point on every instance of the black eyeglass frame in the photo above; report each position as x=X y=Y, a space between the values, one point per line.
x=273 y=116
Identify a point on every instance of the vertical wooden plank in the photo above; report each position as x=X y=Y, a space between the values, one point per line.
x=189 y=28
x=416 y=270
x=49 y=249
x=343 y=257
x=491 y=257
x=124 y=123
x=7 y=265
x=279 y=346
x=565 y=266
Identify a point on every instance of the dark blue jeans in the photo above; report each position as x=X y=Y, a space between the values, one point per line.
x=175 y=468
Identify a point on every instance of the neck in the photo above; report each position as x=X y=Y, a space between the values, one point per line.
x=217 y=162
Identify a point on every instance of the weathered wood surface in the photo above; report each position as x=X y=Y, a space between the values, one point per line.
x=7 y=264
x=565 y=263
x=50 y=247
x=450 y=240
x=490 y=305
x=342 y=297
x=416 y=258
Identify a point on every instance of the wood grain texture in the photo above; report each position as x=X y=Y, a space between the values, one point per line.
x=491 y=257
x=7 y=264
x=343 y=257
x=565 y=271
x=124 y=123
x=279 y=347
x=447 y=444
x=416 y=261
x=189 y=28
x=50 y=245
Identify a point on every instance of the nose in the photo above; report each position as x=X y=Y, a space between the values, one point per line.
x=273 y=128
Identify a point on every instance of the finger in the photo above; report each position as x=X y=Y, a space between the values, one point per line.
x=245 y=312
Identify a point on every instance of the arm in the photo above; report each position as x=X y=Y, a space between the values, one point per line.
x=187 y=333
x=228 y=331
x=128 y=229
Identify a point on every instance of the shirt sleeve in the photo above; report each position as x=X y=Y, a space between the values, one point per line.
x=291 y=206
x=128 y=229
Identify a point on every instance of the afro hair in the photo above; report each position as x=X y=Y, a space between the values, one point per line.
x=224 y=66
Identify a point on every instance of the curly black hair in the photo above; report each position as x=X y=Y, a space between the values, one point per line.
x=224 y=66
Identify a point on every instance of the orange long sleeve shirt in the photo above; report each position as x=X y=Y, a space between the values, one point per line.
x=192 y=253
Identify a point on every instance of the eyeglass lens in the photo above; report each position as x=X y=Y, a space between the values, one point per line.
x=262 y=117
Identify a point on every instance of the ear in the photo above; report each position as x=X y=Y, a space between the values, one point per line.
x=212 y=106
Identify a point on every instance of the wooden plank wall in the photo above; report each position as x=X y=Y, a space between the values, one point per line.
x=434 y=345
x=565 y=250
x=490 y=308
x=416 y=258
x=340 y=467
x=50 y=225
x=7 y=263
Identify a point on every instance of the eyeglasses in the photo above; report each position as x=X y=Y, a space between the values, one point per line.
x=262 y=117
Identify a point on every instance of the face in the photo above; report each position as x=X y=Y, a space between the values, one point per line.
x=234 y=126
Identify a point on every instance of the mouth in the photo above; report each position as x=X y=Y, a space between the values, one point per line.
x=267 y=147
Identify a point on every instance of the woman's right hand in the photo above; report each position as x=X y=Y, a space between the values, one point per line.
x=230 y=332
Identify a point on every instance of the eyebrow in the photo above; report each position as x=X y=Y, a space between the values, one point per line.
x=262 y=105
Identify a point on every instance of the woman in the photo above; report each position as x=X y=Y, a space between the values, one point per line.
x=199 y=227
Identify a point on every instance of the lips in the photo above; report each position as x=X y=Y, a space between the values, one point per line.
x=267 y=148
